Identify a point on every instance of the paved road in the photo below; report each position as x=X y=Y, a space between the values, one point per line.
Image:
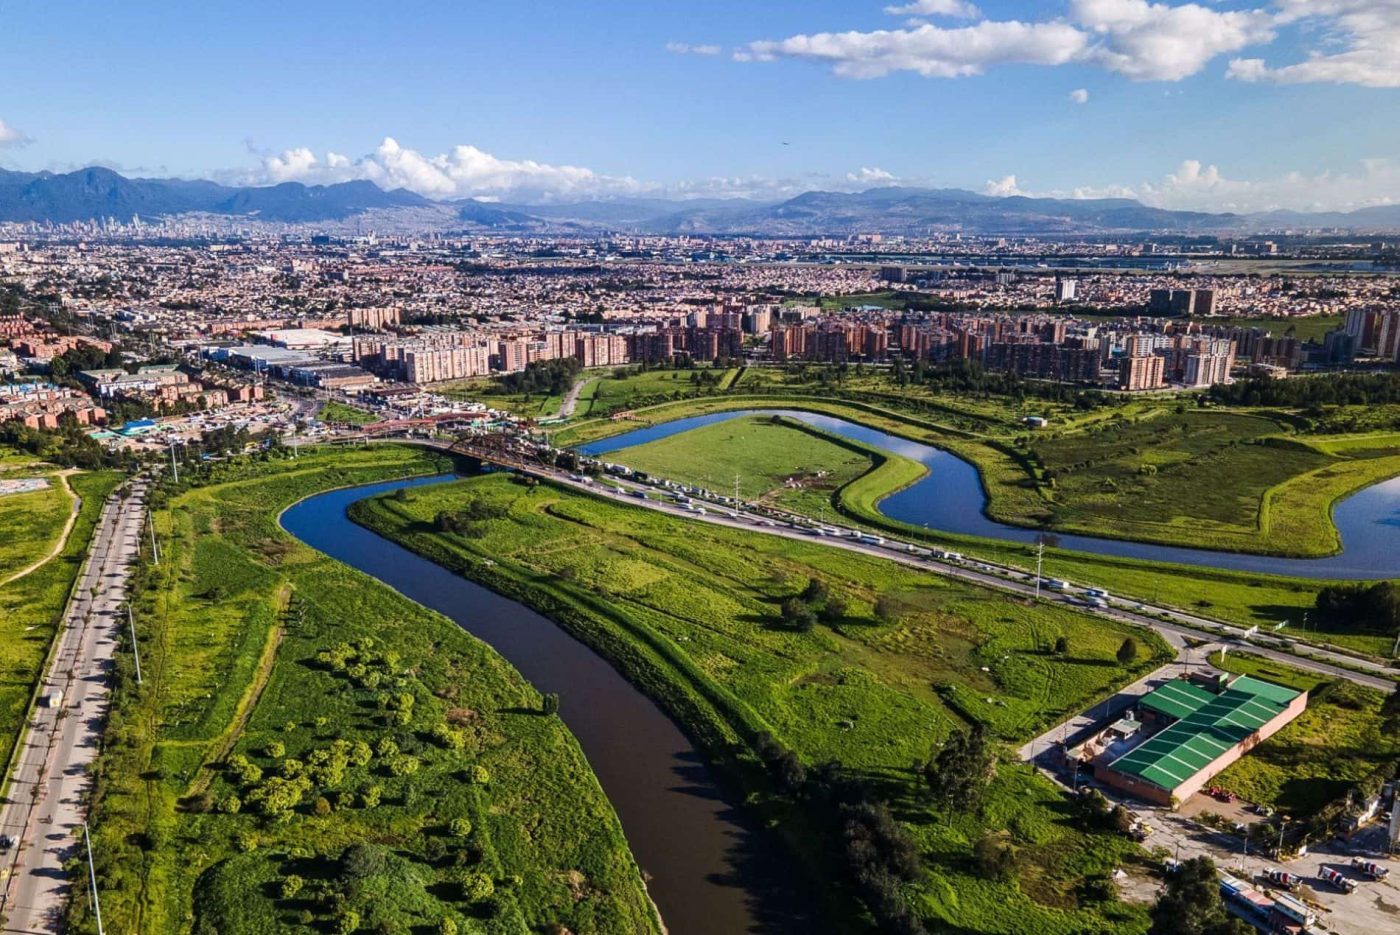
x=43 y=808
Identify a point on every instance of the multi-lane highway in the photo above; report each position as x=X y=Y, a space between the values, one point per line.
x=43 y=809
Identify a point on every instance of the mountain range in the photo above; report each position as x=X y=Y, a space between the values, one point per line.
x=96 y=192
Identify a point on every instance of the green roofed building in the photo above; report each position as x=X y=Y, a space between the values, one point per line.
x=1203 y=726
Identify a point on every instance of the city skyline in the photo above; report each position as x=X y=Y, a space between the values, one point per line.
x=1178 y=105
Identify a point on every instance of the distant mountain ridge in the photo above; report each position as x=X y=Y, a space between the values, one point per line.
x=96 y=192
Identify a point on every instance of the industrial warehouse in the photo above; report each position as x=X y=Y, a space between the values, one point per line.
x=1184 y=732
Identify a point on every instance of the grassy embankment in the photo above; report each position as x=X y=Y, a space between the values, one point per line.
x=777 y=464
x=32 y=606
x=691 y=612
x=336 y=411
x=293 y=708
x=1314 y=760
x=1240 y=598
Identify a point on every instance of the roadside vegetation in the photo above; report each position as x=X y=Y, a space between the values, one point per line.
x=336 y=411
x=311 y=752
x=847 y=698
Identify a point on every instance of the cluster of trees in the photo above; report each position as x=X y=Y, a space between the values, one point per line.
x=1190 y=904
x=476 y=510
x=550 y=377
x=875 y=851
x=968 y=377
x=69 y=446
x=1373 y=607
x=1343 y=389
x=815 y=603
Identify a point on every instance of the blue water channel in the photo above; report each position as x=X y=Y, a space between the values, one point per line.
x=950 y=498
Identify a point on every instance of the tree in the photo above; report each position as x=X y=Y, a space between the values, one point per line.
x=1190 y=903
x=834 y=610
x=550 y=703
x=1127 y=653
x=959 y=771
x=1061 y=645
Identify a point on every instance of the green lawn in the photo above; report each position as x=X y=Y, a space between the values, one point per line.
x=691 y=613
x=777 y=463
x=293 y=708
x=1314 y=760
x=32 y=522
x=336 y=411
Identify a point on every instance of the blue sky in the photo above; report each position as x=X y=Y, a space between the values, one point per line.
x=1222 y=105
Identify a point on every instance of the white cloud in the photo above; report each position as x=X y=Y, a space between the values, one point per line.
x=1157 y=42
x=1367 y=30
x=1079 y=96
x=958 y=8
x=462 y=172
x=1003 y=187
x=1141 y=40
x=871 y=176
x=1196 y=186
x=685 y=48
x=12 y=136
x=931 y=51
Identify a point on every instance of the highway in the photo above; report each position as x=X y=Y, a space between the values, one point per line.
x=43 y=808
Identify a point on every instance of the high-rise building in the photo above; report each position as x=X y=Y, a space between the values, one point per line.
x=1142 y=373
x=1065 y=289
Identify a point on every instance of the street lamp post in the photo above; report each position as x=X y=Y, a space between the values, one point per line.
x=92 y=879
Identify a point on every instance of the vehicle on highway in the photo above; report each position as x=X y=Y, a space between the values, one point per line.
x=1056 y=584
x=54 y=698
x=1096 y=592
x=871 y=540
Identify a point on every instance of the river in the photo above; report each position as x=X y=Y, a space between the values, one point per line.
x=709 y=871
x=951 y=498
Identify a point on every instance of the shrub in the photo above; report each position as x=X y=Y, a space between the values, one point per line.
x=292 y=885
x=459 y=827
x=477 y=887
x=404 y=765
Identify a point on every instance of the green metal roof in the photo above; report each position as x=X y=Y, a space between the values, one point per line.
x=1177 y=699
x=1212 y=725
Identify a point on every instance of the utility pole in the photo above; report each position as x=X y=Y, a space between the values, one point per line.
x=1039 y=562
x=92 y=878
x=155 y=549
x=736 y=488
x=135 y=649
x=174 y=466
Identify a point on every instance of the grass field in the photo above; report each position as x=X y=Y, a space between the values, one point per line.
x=691 y=613
x=1315 y=759
x=293 y=709
x=32 y=522
x=336 y=411
x=776 y=463
x=31 y=607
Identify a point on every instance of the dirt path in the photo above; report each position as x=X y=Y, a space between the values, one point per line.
x=77 y=504
x=570 y=403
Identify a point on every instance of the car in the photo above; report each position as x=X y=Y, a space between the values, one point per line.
x=6 y=842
